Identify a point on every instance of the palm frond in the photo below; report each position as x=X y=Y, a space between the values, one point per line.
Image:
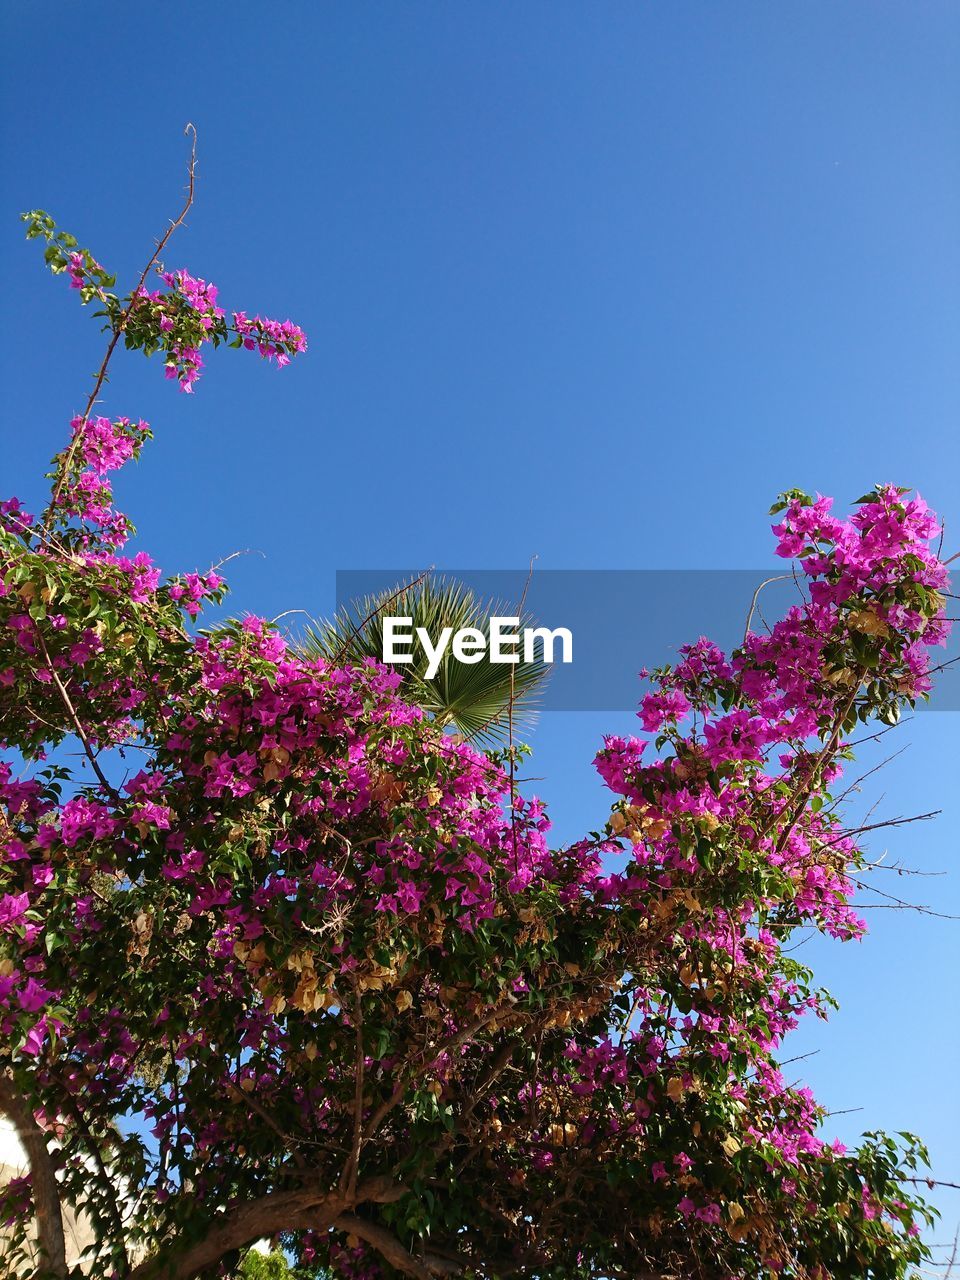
x=475 y=698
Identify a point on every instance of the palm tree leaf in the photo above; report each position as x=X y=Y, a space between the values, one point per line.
x=476 y=698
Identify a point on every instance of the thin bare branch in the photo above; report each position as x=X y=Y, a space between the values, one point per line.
x=358 y=629
x=76 y=722
x=780 y=577
x=63 y=470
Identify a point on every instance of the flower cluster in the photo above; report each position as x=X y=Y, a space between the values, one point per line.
x=181 y=320
x=98 y=446
x=83 y=270
x=274 y=339
x=185 y=316
x=176 y=321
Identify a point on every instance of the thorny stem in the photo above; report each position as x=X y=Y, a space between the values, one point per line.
x=63 y=469
x=75 y=721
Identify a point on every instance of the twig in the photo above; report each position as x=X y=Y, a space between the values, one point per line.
x=780 y=577
x=894 y=903
x=238 y=1094
x=953 y=1255
x=792 y=810
x=878 y=826
x=63 y=469
x=358 y=629
x=855 y=784
x=108 y=1186
x=75 y=720
x=348 y=1183
x=447 y=1046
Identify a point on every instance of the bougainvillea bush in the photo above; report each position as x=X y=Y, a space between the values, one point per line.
x=279 y=959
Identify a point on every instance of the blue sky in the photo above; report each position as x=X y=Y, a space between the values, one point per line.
x=588 y=281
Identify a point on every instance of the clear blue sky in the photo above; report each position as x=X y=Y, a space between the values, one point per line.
x=593 y=281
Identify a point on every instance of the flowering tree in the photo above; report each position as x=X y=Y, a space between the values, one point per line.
x=280 y=959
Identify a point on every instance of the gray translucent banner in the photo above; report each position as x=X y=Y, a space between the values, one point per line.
x=625 y=619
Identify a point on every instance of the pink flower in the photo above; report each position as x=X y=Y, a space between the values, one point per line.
x=13 y=908
x=33 y=996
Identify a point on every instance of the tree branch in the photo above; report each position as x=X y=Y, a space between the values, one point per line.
x=43 y=1178
x=446 y=1046
x=348 y=1183
x=75 y=721
x=106 y=1182
x=390 y=1248
x=243 y=1225
x=300 y=1210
